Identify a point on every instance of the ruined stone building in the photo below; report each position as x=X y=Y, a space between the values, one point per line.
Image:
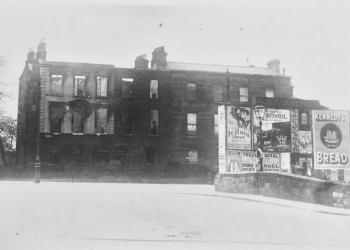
x=146 y=117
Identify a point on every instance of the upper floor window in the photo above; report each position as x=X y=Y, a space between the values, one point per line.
x=79 y=85
x=154 y=122
x=101 y=86
x=243 y=94
x=191 y=123
x=101 y=120
x=56 y=86
x=269 y=93
x=191 y=91
x=127 y=87
x=218 y=93
x=153 y=90
x=304 y=119
x=193 y=156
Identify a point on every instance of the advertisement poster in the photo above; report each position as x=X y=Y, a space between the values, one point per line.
x=238 y=128
x=285 y=162
x=222 y=139
x=233 y=161
x=276 y=130
x=331 y=139
x=305 y=142
x=271 y=161
x=250 y=161
x=294 y=122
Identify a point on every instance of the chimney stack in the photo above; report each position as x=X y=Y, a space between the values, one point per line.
x=141 y=62
x=41 y=53
x=274 y=65
x=31 y=55
x=159 y=59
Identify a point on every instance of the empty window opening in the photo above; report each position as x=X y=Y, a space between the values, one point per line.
x=127 y=87
x=154 y=90
x=101 y=120
x=56 y=87
x=102 y=85
x=193 y=156
x=269 y=93
x=243 y=94
x=191 y=124
x=154 y=122
x=79 y=85
x=191 y=91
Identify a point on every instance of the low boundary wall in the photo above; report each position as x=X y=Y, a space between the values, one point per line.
x=285 y=186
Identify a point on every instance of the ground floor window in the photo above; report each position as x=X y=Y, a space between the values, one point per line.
x=193 y=156
x=150 y=154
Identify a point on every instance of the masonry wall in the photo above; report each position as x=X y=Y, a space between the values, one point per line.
x=173 y=143
x=286 y=186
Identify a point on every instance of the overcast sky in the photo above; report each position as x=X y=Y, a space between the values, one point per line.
x=311 y=38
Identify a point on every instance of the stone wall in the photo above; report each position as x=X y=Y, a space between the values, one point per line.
x=285 y=186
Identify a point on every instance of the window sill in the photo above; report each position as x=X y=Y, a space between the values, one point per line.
x=192 y=136
x=98 y=134
x=77 y=133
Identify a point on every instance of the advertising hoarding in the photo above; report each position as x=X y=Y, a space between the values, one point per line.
x=330 y=139
x=222 y=138
x=233 y=161
x=271 y=161
x=276 y=127
x=239 y=135
x=305 y=142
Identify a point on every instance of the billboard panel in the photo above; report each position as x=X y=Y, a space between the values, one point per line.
x=331 y=139
x=233 y=161
x=276 y=127
x=271 y=161
x=222 y=138
x=239 y=135
x=305 y=142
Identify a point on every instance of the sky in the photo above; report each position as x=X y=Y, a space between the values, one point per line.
x=311 y=38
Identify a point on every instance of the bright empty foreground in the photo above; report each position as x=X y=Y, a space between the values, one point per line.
x=157 y=216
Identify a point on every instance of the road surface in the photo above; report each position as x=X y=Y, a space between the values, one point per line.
x=92 y=216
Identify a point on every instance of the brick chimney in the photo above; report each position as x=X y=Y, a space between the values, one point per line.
x=30 y=58
x=41 y=53
x=274 y=65
x=159 y=59
x=141 y=62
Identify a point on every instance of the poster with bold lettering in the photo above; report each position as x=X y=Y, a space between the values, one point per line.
x=276 y=130
x=250 y=161
x=271 y=161
x=331 y=139
x=238 y=128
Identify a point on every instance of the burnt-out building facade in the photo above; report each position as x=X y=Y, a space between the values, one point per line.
x=146 y=117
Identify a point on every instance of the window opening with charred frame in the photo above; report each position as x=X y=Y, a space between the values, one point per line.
x=191 y=123
x=153 y=90
x=79 y=85
x=101 y=86
x=191 y=91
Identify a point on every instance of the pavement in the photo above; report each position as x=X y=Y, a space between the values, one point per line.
x=77 y=215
